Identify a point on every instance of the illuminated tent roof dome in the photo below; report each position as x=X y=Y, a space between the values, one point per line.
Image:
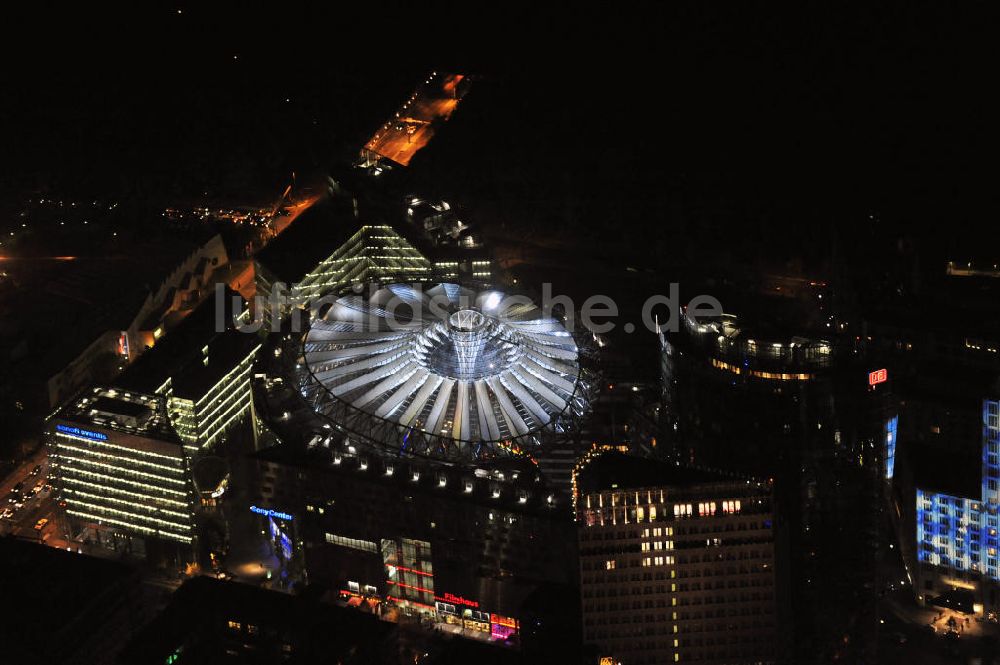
x=459 y=366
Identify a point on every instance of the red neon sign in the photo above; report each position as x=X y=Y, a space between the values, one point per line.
x=503 y=621
x=878 y=376
x=457 y=600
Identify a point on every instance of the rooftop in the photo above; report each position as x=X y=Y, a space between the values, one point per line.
x=960 y=477
x=66 y=587
x=312 y=237
x=446 y=363
x=512 y=484
x=200 y=612
x=129 y=412
x=613 y=470
x=180 y=355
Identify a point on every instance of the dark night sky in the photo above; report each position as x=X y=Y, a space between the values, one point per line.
x=752 y=119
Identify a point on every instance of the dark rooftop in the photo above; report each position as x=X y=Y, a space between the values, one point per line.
x=180 y=354
x=312 y=237
x=614 y=470
x=119 y=407
x=960 y=477
x=109 y=402
x=62 y=589
x=199 y=613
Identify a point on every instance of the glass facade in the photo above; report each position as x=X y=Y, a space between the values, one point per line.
x=891 y=426
x=129 y=487
x=374 y=253
x=960 y=533
x=201 y=423
x=119 y=464
x=445 y=367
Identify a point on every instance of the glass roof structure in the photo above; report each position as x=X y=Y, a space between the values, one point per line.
x=444 y=370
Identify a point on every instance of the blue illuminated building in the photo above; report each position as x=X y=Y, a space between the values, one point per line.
x=957 y=536
x=891 y=426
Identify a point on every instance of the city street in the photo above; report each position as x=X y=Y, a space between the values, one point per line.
x=41 y=505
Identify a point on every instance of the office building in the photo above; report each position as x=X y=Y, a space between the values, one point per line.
x=677 y=564
x=203 y=369
x=123 y=472
x=770 y=394
x=327 y=250
x=408 y=434
x=956 y=533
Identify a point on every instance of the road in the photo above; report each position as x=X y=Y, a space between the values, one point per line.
x=412 y=127
x=43 y=505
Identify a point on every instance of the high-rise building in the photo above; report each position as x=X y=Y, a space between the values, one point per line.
x=122 y=471
x=325 y=251
x=768 y=394
x=203 y=369
x=677 y=564
x=956 y=534
x=408 y=437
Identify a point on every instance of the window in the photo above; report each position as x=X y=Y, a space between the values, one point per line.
x=353 y=543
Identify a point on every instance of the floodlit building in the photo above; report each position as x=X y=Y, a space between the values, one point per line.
x=408 y=433
x=677 y=564
x=956 y=534
x=445 y=372
x=203 y=369
x=122 y=471
x=466 y=546
x=326 y=250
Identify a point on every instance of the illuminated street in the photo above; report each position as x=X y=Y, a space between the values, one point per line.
x=413 y=125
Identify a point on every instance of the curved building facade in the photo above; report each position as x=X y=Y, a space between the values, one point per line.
x=445 y=372
x=415 y=437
